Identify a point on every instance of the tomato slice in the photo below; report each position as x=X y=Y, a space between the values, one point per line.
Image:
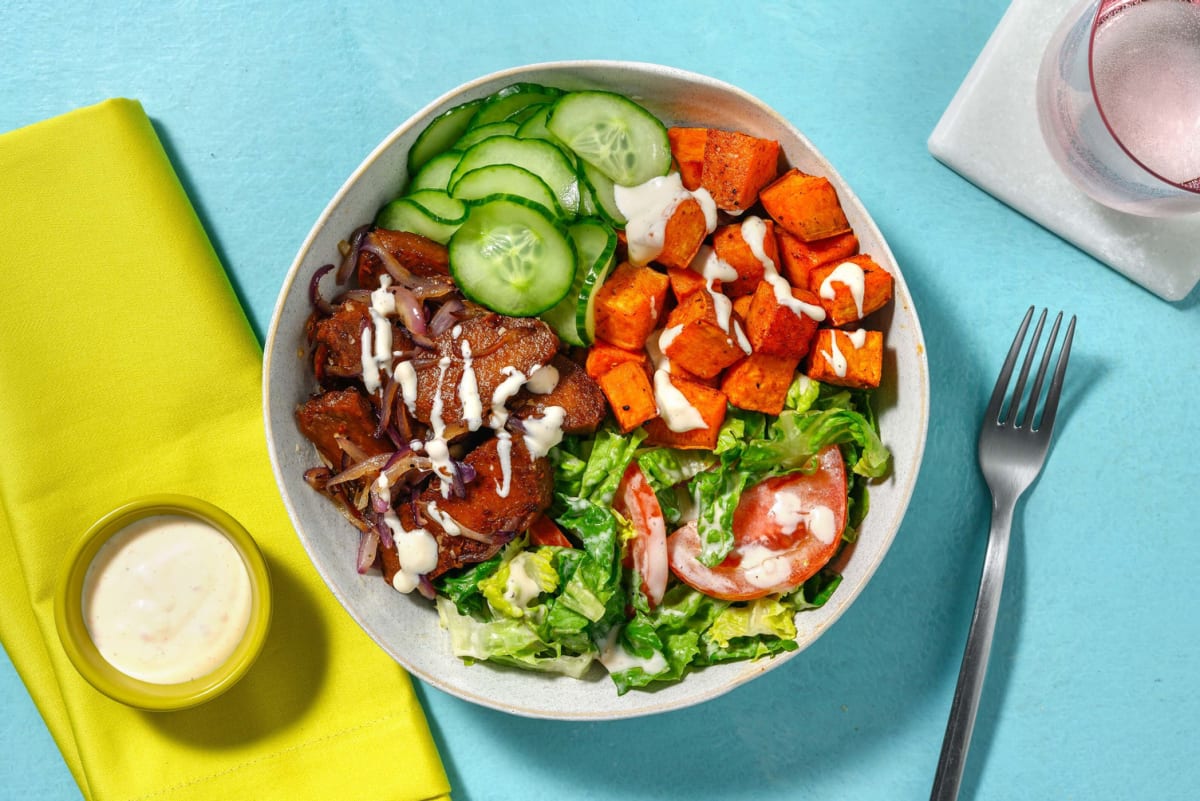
x=545 y=531
x=635 y=499
x=785 y=529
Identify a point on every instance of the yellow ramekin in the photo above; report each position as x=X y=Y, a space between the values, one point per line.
x=73 y=632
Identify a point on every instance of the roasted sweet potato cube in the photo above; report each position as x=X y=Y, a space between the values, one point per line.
x=683 y=234
x=781 y=329
x=603 y=356
x=685 y=281
x=709 y=402
x=847 y=358
x=731 y=247
x=849 y=290
x=741 y=308
x=736 y=167
x=630 y=394
x=687 y=147
x=629 y=304
x=798 y=258
x=807 y=206
x=759 y=382
x=694 y=339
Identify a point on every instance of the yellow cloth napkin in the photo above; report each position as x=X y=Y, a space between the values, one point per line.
x=127 y=367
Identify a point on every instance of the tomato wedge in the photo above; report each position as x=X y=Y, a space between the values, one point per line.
x=545 y=531
x=636 y=501
x=785 y=529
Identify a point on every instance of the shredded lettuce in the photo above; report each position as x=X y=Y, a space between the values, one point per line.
x=564 y=609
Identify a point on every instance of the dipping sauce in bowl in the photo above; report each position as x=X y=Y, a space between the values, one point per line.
x=165 y=603
x=167 y=599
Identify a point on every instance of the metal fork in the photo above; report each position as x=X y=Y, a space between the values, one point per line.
x=1012 y=450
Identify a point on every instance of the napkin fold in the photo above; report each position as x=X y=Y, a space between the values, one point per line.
x=127 y=367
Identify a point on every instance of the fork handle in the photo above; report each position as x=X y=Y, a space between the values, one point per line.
x=948 y=777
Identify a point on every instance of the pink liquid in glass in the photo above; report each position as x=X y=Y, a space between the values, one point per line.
x=1146 y=73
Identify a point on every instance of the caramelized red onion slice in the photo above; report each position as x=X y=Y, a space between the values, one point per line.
x=412 y=315
x=314 y=291
x=446 y=316
x=350 y=256
x=434 y=286
x=370 y=466
x=425 y=587
x=318 y=479
x=368 y=547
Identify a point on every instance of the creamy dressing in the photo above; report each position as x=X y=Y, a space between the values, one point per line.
x=852 y=277
x=417 y=550
x=649 y=206
x=468 y=390
x=616 y=659
x=436 y=447
x=509 y=387
x=754 y=233
x=676 y=411
x=542 y=380
x=712 y=268
x=376 y=347
x=443 y=519
x=835 y=357
x=543 y=433
x=788 y=511
x=764 y=567
x=167 y=599
x=521 y=588
x=406 y=374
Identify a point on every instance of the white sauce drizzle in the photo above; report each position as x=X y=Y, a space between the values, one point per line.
x=647 y=208
x=417 y=550
x=676 y=411
x=754 y=232
x=764 y=567
x=788 y=511
x=376 y=347
x=714 y=269
x=406 y=374
x=542 y=380
x=436 y=446
x=616 y=659
x=858 y=338
x=834 y=356
x=468 y=390
x=443 y=519
x=852 y=277
x=543 y=433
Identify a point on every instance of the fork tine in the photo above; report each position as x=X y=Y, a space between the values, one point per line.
x=993 y=410
x=1014 y=402
x=1056 y=383
x=1035 y=393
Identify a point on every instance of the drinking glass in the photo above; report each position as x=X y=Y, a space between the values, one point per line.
x=1118 y=97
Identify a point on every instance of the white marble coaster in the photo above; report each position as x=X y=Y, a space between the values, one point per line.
x=989 y=134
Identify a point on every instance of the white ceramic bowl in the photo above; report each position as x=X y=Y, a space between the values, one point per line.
x=407 y=626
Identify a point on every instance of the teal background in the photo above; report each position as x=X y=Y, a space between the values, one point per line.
x=266 y=108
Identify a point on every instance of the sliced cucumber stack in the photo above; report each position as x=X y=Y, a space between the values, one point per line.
x=512 y=256
x=520 y=186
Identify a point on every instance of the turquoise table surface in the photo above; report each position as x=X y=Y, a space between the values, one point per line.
x=266 y=108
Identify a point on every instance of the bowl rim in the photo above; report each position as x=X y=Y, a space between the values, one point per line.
x=91 y=664
x=846 y=596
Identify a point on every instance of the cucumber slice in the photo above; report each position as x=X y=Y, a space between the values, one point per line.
x=510 y=100
x=512 y=257
x=573 y=318
x=439 y=205
x=600 y=188
x=473 y=135
x=440 y=134
x=402 y=214
x=436 y=172
x=535 y=126
x=520 y=116
x=541 y=158
x=506 y=179
x=615 y=135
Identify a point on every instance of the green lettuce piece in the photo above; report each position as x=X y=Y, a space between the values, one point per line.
x=764 y=616
x=742 y=648
x=508 y=641
x=611 y=453
x=802 y=394
x=512 y=590
x=463 y=589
